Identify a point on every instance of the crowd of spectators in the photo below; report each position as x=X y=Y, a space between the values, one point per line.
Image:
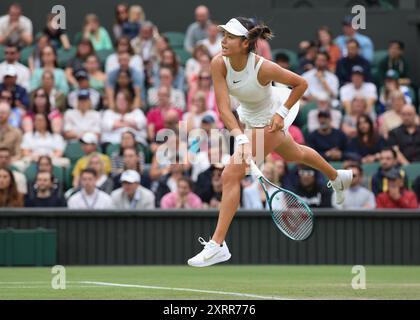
x=81 y=120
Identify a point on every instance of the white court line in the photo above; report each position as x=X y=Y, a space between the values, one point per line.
x=237 y=294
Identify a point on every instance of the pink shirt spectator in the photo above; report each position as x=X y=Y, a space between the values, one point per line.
x=169 y=201
x=155 y=116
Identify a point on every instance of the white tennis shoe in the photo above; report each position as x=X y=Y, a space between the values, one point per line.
x=341 y=183
x=211 y=254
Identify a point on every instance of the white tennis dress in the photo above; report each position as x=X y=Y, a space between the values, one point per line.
x=258 y=103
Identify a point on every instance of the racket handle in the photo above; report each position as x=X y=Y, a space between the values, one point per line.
x=255 y=170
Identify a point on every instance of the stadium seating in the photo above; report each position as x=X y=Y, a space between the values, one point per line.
x=369 y=169
x=412 y=170
x=103 y=55
x=1 y=52
x=175 y=38
x=293 y=57
x=113 y=148
x=73 y=151
x=183 y=55
x=25 y=54
x=65 y=55
x=30 y=172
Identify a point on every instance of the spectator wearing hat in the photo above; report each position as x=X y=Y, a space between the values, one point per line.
x=89 y=197
x=357 y=196
x=45 y=195
x=89 y=144
x=20 y=95
x=397 y=196
x=198 y=30
x=183 y=197
x=15 y=27
x=358 y=88
x=132 y=195
x=394 y=60
x=392 y=84
x=324 y=104
x=353 y=58
x=12 y=55
x=82 y=119
x=82 y=79
x=331 y=143
x=315 y=195
x=349 y=33
x=320 y=80
x=10 y=137
x=406 y=138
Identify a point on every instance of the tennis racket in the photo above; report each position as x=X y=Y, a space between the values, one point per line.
x=289 y=212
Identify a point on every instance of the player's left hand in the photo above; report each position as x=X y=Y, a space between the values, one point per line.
x=277 y=123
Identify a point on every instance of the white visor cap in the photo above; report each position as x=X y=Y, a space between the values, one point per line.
x=235 y=27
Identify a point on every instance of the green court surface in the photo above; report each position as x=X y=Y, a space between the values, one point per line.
x=219 y=282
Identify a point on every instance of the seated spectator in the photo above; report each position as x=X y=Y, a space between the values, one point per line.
x=41 y=104
x=353 y=58
x=391 y=119
x=397 y=196
x=198 y=30
x=12 y=55
x=123 y=117
x=11 y=137
x=213 y=41
x=254 y=196
x=210 y=194
x=10 y=197
x=326 y=44
x=357 y=196
x=204 y=84
x=155 y=117
x=329 y=142
x=49 y=63
x=97 y=34
x=5 y=162
x=89 y=144
x=45 y=164
x=124 y=46
x=16 y=114
x=192 y=66
x=358 y=88
x=84 y=50
x=324 y=104
x=121 y=20
x=136 y=18
x=103 y=181
x=45 y=195
x=134 y=77
x=97 y=78
x=183 y=197
x=81 y=120
x=283 y=61
x=394 y=60
x=83 y=83
x=20 y=95
x=358 y=108
x=321 y=82
x=198 y=111
x=89 y=197
x=170 y=60
x=167 y=181
x=406 y=137
x=144 y=43
x=314 y=194
x=416 y=187
x=15 y=27
x=34 y=60
x=132 y=195
x=391 y=85
x=388 y=160
x=307 y=61
x=177 y=97
x=56 y=97
x=56 y=36
x=367 y=144
x=349 y=33
x=42 y=142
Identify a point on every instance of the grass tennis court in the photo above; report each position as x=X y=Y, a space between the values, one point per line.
x=221 y=282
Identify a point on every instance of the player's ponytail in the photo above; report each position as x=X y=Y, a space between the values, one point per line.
x=255 y=31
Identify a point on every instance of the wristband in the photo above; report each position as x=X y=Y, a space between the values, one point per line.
x=241 y=139
x=283 y=111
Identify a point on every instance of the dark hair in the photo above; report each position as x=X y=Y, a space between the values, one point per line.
x=44 y=157
x=175 y=65
x=88 y=170
x=327 y=30
x=353 y=41
x=5 y=149
x=12 y=103
x=10 y=197
x=187 y=180
x=117 y=19
x=282 y=57
x=131 y=133
x=124 y=39
x=55 y=55
x=10 y=44
x=325 y=54
x=91 y=51
x=255 y=31
x=372 y=134
x=33 y=107
x=47 y=120
x=398 y=42
x=129 y=88
x=394 y=154
x=50 y=173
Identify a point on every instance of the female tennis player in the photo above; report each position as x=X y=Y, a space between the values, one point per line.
x=237 y=71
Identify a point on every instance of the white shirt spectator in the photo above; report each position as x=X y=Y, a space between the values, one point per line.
x=74 y=120
x=43 y=144
x=112 y=135
x=94 y=97
x=177 y=98
x=21 y=183
x=142 y=199
x=348 y=92
x=357 y=197
x=315 y=87
x=25 y=26
x=136 y=62
x=97 y=200
x=313 y=121
x=23 y=74
x=214 y=48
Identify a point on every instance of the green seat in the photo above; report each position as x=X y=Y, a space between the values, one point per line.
x=412 y=170
x=30 y=172
x=175 y=38
x=103 y=55
x=25 y=54
x=304 y=111
x=183 y=55
x=113 y=148
x=77 y=37
x=336 y=164
x=73 y=151
x=293 y=57
x=369 y=169
x=1 y=52
x=65 y=55
x=378 y=56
